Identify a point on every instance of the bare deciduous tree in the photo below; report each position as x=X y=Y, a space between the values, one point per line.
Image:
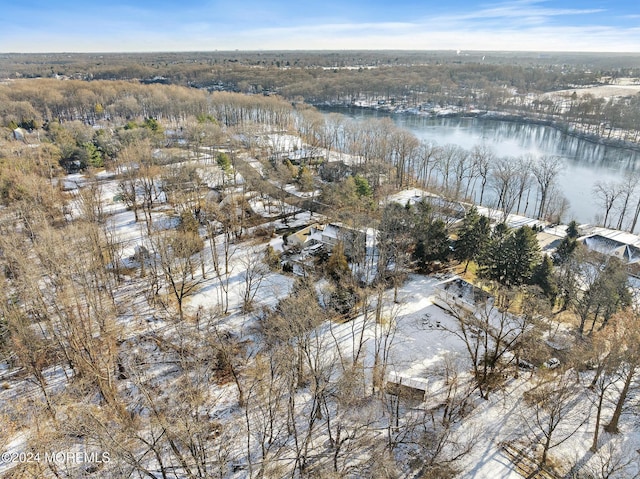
x=489 y=333
x=503 y=181
x=545 y=171
x=627 y=189
x=176 y=254
x=553 y=402
x=606 y=194
x=254 y=272
x=626 y=324
x=482 y=158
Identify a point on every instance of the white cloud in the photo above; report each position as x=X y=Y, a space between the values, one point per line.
x=513 y=25
x=520 y=25
x=525 y=8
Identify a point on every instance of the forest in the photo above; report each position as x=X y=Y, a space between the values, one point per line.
x=201 y=283
x=512 y=84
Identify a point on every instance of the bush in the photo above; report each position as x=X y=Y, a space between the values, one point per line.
x=188 y=223
x=265 y=232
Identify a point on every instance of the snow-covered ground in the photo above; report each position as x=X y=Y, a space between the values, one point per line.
x=268 y=207
x=293 y=189
x=420 y=344
x=416 y=333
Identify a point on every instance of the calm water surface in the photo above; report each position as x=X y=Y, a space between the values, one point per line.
x=585 y=163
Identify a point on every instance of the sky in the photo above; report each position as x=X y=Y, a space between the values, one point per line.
x=207 y=25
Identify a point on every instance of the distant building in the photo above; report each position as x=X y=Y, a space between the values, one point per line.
x=301 y=157
x=307 y=236
x=456 y=291
x=156 y=79
x=328 y=235
x=620 y=244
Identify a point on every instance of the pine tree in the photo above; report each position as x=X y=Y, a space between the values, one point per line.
x=572 y=229
x=224 y=162
x=473 y=237
x=429 y=234
x=492 y=260
x=524 y=250
x=510 y=257
x=432 y=244
x=564 y=250
x=362 y=186
x=544 y=278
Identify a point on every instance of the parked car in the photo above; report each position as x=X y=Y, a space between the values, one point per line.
x=522 y=364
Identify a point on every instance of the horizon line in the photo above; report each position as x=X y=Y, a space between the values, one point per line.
x=459 y=52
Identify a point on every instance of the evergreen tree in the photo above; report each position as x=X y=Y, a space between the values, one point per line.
x=524 y=250
x=152 y=124
x=432 y=244
x=492 y=260
x=224 y=162
x=362 y=186
x=500 y=230
x=544 y=278
x=564 y=250
x=572 y=229
x=94 y=155
x=511 y=257
x=429 y=234
x=473 y=237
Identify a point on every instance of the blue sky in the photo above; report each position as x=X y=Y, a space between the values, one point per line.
x=203 y=25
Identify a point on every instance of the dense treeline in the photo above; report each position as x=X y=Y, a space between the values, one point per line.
x=319 y=77
x=476 y=85
x=170 y=64
x=36 y=102
x=380 y=149
x=481 y=80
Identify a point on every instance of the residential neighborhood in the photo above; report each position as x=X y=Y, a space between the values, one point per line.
x=395 y=259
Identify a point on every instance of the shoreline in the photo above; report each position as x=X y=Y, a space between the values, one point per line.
x=490 y=115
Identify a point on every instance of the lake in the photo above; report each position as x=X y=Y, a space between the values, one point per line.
x=585 y=162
